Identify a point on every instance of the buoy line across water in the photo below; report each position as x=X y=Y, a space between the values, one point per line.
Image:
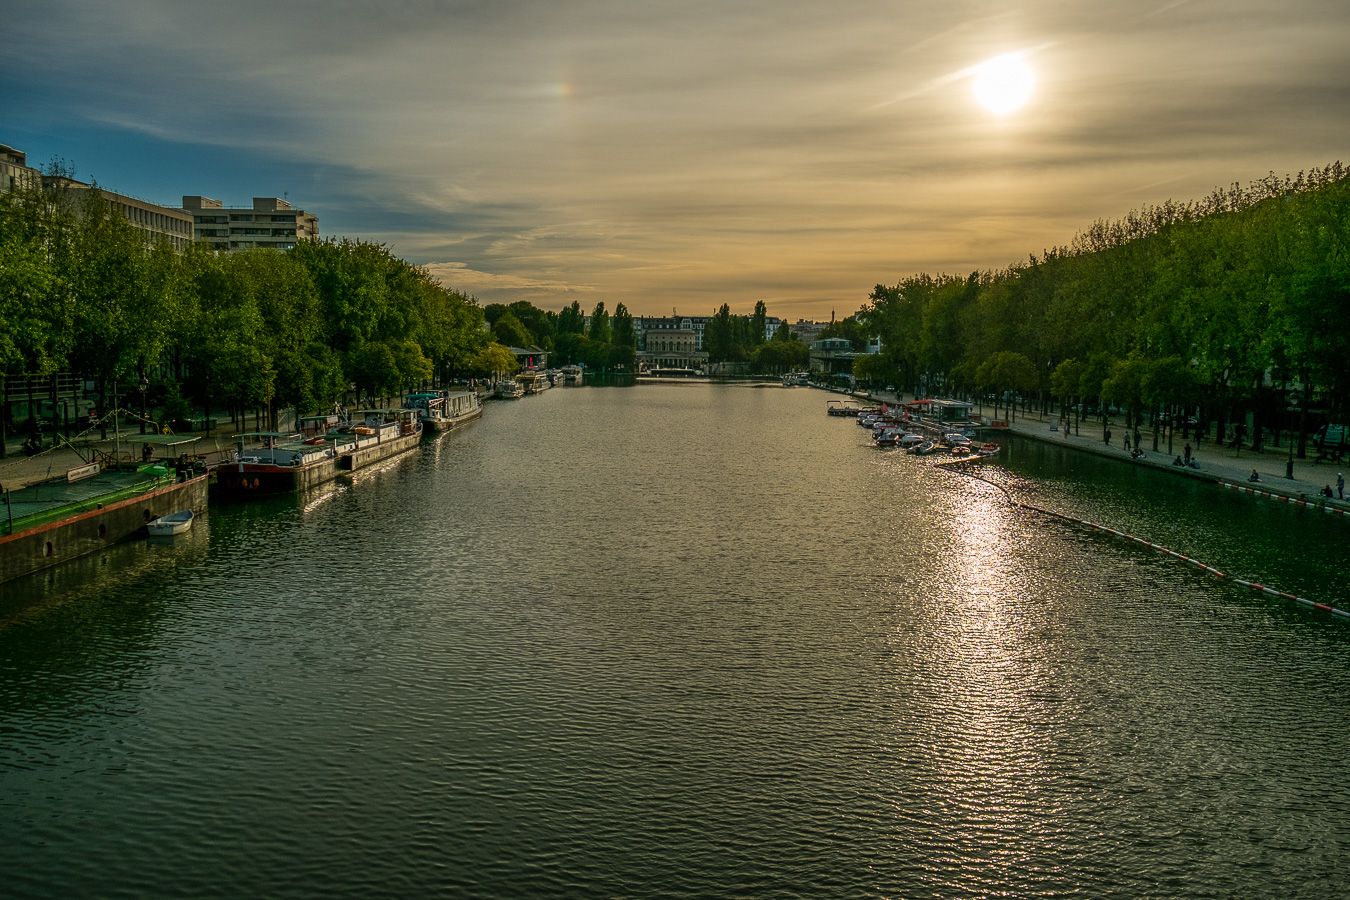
x=957 y=467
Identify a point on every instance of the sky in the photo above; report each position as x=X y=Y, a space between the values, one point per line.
x=680 y=154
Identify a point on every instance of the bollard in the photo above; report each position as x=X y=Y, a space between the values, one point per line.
x=1289 y=469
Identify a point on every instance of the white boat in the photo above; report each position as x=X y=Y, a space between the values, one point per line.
x=173 y=523
x=509 y=390
x=888 y=437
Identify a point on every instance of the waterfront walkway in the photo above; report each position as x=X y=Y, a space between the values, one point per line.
x=1217 y=463
x=17 y=470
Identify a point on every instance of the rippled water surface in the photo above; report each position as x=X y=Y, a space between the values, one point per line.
x=686 y=641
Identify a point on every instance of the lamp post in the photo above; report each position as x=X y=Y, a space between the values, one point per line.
x=1289 y=464
x=143 y=386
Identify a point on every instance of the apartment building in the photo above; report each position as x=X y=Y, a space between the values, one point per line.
x=15 y=173
x=154 y=222
x=269 y=223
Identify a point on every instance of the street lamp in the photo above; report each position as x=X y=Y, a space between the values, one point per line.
x=143 y=386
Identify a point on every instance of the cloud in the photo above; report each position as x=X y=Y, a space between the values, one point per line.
x=488 y=285
x=698 y=152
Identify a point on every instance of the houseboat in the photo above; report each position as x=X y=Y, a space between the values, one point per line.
x=89 y=508
x=443 y=411
x=533 y=382
x=285 y=462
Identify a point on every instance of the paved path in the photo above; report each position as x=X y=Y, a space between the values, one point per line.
x=17 y=470
x=1233 y=467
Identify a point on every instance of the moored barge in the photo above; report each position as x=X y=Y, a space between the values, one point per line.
x=88 y=509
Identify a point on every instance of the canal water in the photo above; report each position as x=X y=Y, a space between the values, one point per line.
x=686 y=640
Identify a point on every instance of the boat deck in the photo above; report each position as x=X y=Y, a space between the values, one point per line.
x=50 y=501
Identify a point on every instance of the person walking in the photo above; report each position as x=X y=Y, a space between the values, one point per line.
x=1108 y=437
x=1127 y=442
x=1340 y=486
x=1187 y=452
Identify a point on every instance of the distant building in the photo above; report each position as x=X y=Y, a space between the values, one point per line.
x=269 y=223
x=530 y=357
x=150 y=219
x=15 y=173
x=807 y=330
x=669 y=343
x=154 y=222
x=831 y=356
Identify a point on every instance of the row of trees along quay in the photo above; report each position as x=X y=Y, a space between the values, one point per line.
x=170 y=333
x=173 y=335
x=1201 y=314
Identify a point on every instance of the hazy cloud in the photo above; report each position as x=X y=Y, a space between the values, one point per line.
x=681 y=154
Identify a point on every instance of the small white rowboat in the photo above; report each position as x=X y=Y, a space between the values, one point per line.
x=173 y=523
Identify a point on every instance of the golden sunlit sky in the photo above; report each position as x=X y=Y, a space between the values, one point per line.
x=679 y=155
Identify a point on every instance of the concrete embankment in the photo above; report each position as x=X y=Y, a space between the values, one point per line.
x=1231 y=468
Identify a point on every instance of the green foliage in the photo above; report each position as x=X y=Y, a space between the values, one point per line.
x=623 y=340
x=493 y=361
x=778 y=356
x=1205 y=302
x=571 y=320
x=1067 y=378
x=508 y=331
x=599 y=333
x=80 y=290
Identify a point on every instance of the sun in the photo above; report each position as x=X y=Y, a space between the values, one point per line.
x=1004 y=84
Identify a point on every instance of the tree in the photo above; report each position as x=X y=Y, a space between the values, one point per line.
x=599 y=333
x=1066 y=383
x=623 y=340
x=493 y=361
x=373 y=369
x=535 y=321
x=1006 y=372
x=758 y=324
x=509 y=332
x=719 y=336
x=571 y=320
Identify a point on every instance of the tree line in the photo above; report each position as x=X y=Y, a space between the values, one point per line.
x=258 y=329
x=610 y=342
x=1231 y=307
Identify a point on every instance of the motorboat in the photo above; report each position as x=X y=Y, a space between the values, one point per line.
x=888 y=437
x=987 y=449
x=911 y=440
x=923 y=448
x=509 y=390
x=173 y=523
